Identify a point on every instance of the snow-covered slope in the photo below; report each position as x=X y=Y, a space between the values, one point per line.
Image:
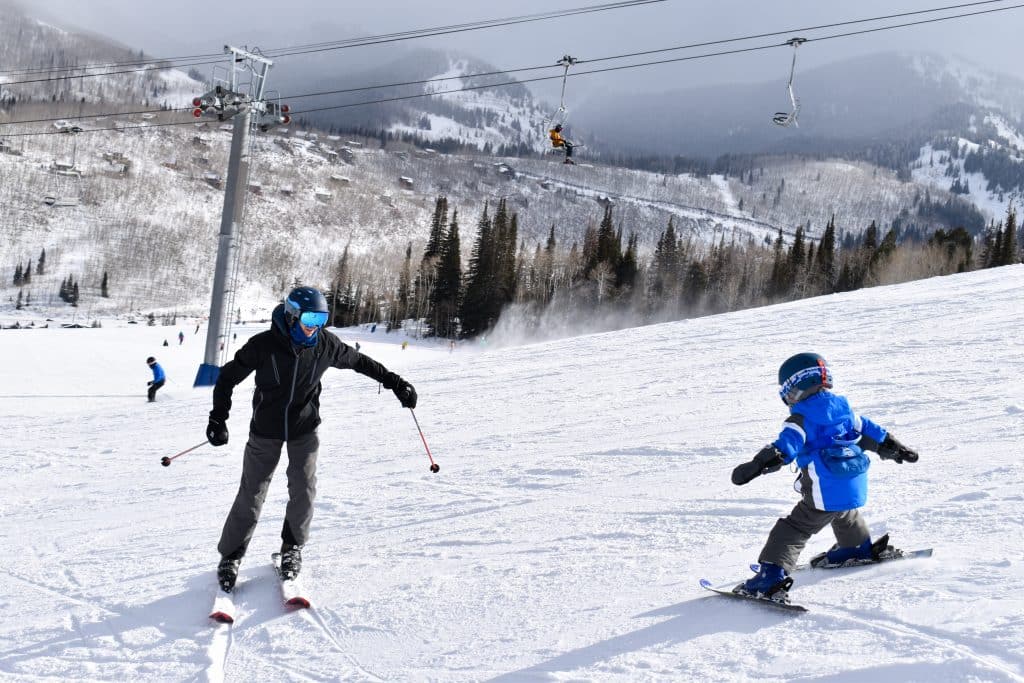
x=584 y=489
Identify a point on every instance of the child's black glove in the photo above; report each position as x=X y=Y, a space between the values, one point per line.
x=216 y=432
x=768 y=459
x=149 y=384
x=891 y=449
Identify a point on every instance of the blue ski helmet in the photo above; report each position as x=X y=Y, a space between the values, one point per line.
x=305 y=305
x=802 y=375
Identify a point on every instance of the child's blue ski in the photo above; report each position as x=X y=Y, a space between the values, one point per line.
x=787 y=606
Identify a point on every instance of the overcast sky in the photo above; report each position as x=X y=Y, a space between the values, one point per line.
x=198 y=26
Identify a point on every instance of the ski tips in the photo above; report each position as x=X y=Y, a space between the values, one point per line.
x=704 y=583
x=222 y=618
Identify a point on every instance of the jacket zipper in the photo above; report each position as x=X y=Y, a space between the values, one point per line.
x=291 y=394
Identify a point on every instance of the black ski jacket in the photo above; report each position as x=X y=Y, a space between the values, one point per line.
x=286 y=400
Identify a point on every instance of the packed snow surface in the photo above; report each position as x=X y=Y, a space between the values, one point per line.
x=584 y=490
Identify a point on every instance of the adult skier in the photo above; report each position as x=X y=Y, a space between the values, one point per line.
x=827 y=439
x=289 y=359
x=558 y=141
x=159 y=378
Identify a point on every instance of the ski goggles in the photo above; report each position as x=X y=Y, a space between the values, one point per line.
x=313 y=318
x=791 y=392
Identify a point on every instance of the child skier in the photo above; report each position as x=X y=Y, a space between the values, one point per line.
x=827 y=439
x=158 y=378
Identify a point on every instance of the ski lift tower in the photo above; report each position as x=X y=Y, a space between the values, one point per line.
x=240 y=98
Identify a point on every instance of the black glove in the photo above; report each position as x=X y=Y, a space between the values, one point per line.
x=403 y=390
x=217 y=432
x=768 y=459
x=149 y=384
x=891 y=449
x=405 y=393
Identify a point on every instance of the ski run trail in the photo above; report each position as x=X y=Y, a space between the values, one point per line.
x=584 y=491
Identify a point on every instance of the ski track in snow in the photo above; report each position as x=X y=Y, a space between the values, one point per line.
x=584 y=489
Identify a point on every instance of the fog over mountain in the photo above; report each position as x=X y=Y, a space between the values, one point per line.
x=871 y=98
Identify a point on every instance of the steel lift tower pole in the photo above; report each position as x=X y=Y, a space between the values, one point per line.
x=226 y=101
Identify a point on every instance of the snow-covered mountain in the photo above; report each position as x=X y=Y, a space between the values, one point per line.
x=879 y=99
x=36 y=58
x=583 y=492
x=490 y=119
x=147 y=204
x=143 y=202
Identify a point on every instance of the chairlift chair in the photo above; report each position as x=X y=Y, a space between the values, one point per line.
x=561 y=114
x=789 y=118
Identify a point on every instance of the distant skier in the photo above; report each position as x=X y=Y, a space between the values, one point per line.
x=557 y=141
x=158 y=378
x=181 y=337
x=289 y=359
x=827 y=439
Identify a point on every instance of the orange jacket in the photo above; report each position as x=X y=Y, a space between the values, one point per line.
x=556 y=138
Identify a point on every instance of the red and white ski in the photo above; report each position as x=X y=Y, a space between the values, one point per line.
x=223 y=607
x=292 y=591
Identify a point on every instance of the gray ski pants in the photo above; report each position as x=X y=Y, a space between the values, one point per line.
x=260 y=460
x=791 y=533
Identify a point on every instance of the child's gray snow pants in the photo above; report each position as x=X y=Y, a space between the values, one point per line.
x=260 y=460
x=791 y=533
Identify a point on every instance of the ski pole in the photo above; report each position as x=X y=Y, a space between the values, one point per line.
x=166 y=462
x=434 y=467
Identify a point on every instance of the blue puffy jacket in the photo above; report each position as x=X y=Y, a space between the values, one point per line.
x=827 y=440
x=158 y=373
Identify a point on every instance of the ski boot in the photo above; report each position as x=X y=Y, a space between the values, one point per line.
x=569 y=161
x=291 y=561
x=865 y=553
x=771 y=582
x=227 y=574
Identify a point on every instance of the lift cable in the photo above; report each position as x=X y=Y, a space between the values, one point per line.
x=540 y=78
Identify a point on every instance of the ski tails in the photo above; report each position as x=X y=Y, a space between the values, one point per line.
x=888 y=555
x=781 y=604
x=223 y=611
x=292 y=591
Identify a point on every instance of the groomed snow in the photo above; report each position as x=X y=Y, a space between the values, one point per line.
x=584 y=490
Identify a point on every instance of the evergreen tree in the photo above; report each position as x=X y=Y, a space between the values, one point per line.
x=74 y=294
x=665 y=267
x=18 y=304
x=508 y=264
x=26 y=273
x=448 y=282
x=625 y=274
x=695 y=285
x=609 y=243
x=437 y=227
x=104 y=291
x=474 y=312
x=18 y=277
x=996 y=258
x=779 y=282
x=885 y=250
x=826 y=257
x=400 y=311
x=1008 y=254
x=41 y=263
